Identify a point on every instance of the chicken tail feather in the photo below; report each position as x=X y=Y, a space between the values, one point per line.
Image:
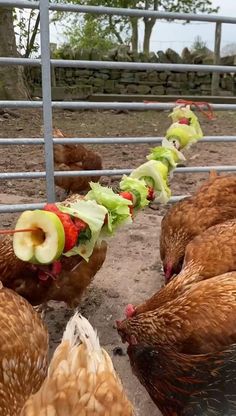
x=213 y=174
x=79 y=330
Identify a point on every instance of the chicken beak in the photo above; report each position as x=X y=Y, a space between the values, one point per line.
x=120 y=331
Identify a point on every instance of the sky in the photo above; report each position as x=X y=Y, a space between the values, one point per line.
x=176 y=35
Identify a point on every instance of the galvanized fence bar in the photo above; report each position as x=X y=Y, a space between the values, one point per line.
x=107 y=140
x=47 y=98
x=122 y=65
x=109 y=172
x=24 y=207
x=94 y=105
x=121 y=11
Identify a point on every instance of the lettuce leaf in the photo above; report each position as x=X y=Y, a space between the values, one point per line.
x=189 y=134
x=170 y=145
x=117 y=207
x=186 y=112
x=186 y=135
x=165 y=154
x=158 y=172
x=94 y=215
x=132 y=184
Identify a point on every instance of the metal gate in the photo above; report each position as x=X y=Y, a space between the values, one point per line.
x=44 y=6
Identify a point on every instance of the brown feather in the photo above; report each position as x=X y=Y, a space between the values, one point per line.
x=200 y=320
x=213 y=251
x=75 y=157
x=69 y=286
x=23 y=352
x=213 y=203
x=187 y=384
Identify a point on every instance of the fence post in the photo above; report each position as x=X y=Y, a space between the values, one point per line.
x=215 y=81
x=47 y=98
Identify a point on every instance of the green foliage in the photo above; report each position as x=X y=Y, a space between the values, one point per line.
x=187 y=6
x=89 y=34
x=26 y=27
x=198 y=45
x=121 y=28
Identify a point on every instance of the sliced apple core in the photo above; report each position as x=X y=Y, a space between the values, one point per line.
x=45 y=243
x=38 y=236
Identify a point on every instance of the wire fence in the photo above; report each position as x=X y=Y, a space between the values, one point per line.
x=47 y=104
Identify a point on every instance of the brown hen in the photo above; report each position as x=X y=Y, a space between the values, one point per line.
x=196 y=319
x=187 y=385
x=67 y=285
x=23 y=352
x=213 y=203
x=75 y=157
x=210 y=254
x=76 y=274
x=213 y=252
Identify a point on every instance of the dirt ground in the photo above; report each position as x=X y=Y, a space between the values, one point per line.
x=132 y=270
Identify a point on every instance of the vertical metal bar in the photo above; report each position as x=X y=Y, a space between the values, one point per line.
x=215 y=82
x=47 y=98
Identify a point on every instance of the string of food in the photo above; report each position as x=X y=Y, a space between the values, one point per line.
x=75 y=226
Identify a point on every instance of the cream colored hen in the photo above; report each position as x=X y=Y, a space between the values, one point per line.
x=81 y=379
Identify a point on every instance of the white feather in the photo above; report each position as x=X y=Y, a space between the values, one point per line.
x=79 y=330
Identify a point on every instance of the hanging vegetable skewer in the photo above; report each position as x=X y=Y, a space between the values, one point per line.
x=75 y=228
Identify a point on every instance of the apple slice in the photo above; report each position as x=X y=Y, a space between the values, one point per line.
x=45 y=244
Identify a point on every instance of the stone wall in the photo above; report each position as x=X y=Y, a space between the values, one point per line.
x=73 y=83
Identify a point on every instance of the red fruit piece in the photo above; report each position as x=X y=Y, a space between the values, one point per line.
x=151 y=194
x=184 y=120
x=71 y=232
x=51 y=208
x=80 y=224
x=127 y=195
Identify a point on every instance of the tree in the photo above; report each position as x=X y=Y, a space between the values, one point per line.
x=229 y=49
x=198 y=45
x=90 y=32
x=114 y=29
x=11 y=77
x=126 y=29
x=26 y=24
x=180 y=6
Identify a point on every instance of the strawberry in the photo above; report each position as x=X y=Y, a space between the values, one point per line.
x=151 y=194
x=71 y=231
x=80 y=224
x=51 y=208
x=184 y=120
x=127 y=195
